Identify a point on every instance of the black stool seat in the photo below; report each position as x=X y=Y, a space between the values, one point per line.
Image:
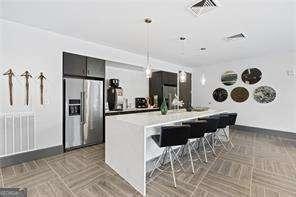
x=212 y=123
x=172 y=136
x=223 y=121
x=197 y=129
x=232 y=118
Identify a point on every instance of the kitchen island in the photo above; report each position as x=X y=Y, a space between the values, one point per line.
x=129 y=146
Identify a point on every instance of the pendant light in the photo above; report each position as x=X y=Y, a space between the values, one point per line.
x=148 y=68
x=182 y=74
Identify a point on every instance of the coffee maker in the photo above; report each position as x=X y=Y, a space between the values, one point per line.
x=115 y=96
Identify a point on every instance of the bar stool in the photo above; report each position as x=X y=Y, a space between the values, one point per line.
x=170 y=136
x=211 y=128
x=197 y=131
x=232 y=118
x=223 y=123
x=231 y=121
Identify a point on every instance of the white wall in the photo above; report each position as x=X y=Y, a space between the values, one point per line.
x=278 y=115
x=37 y=50
x=133 y=81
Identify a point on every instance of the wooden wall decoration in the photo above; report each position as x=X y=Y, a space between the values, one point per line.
x=27 y=76
x=251 y=76
x=229 y=78
x=264 y=94
x=239 y=94
x=10 y=74
x=220 y=94
x=41 y=78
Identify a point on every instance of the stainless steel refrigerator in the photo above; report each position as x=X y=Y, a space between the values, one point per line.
x=83 y=112
x=169 y=93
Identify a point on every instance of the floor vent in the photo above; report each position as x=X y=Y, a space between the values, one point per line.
x=240 y=36
x=17 y=133
x=203 y=6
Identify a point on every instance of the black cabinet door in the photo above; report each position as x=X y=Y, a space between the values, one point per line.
x=169 y=78
x=95 y=67
x=74 y=65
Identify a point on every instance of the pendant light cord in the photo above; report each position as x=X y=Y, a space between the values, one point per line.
x=148 y=46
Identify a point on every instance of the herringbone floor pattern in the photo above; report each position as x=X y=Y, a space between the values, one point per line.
x=259 y=165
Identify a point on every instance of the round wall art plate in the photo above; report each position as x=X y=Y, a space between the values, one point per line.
x=220 y=95
x=251 y=76
x=264 y=94
x=229 y=78
x=239 y=94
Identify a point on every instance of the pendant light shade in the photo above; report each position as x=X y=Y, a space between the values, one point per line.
x=182 y=74
x=148 y=72
x=148 y=67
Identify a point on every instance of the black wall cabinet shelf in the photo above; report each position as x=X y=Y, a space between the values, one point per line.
x=82 y=66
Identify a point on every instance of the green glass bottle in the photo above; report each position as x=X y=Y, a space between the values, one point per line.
x=163 y=108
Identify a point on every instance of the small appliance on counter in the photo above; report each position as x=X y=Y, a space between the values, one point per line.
x=115 y=96
x=141 y=102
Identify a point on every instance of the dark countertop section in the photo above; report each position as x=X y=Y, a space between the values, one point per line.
x=130 y=111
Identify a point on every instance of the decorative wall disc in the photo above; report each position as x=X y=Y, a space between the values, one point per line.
x=220 y=95
x=251 y=76
x=229 y=78
x=239 y=94
x=264 y=94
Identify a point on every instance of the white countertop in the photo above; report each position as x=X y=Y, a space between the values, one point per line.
x=152 y=119
x=130 y=110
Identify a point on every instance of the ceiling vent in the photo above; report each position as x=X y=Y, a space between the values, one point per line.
x=203 y=6
x=240 y=36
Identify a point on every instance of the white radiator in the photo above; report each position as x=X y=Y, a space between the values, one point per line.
x=17 y=133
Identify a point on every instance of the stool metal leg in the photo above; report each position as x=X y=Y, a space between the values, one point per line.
x=204 y=149
x=213 y=140
x=222 y=143
x=177 y=158
x=228 y=138
x=172 y=166
x=196 y=152
x=157 y=162
x=196 y=143
x=182 y=150
x=211 y=147
x=189 y=150
x=164 y=156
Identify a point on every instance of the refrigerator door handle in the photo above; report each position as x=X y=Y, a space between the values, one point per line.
x=81 y=108
x=83 y=112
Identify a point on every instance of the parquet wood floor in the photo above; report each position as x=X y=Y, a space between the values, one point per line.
x=259 y=165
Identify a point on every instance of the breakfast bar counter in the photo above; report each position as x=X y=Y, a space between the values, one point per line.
x=129 y=146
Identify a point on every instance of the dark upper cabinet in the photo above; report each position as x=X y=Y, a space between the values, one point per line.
x=74 y=65
x=169 y=78
x=185 y=90
x=82 y=66
x=95 y=67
